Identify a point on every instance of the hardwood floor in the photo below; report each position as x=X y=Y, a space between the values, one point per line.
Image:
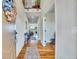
x=47 y=52
x=22 y=53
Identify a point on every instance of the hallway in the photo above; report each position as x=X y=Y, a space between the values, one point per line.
x=53 y=22
x=36 y=48
x=26 y=17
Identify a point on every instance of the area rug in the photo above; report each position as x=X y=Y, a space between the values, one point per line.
x=32 y=52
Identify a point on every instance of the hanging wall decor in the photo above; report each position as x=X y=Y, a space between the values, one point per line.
x=37 y=4
x=9 y=9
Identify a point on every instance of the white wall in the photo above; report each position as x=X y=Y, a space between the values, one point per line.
x=20 y=26
x=20 y=35
x=66 y=24
x=46 y=5
x=50 y=25
x=32 y=27
x=40 y=28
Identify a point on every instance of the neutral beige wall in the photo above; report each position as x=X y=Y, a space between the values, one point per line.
x=8 y=41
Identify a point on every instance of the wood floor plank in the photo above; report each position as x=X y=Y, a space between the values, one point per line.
x=47 y=52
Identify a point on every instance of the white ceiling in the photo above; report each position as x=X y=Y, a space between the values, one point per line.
x=33 y=16
x=29 y=3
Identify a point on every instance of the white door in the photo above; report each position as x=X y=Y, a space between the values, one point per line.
x=44 y=31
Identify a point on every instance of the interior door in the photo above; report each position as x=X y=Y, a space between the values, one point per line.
x=44 y=31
